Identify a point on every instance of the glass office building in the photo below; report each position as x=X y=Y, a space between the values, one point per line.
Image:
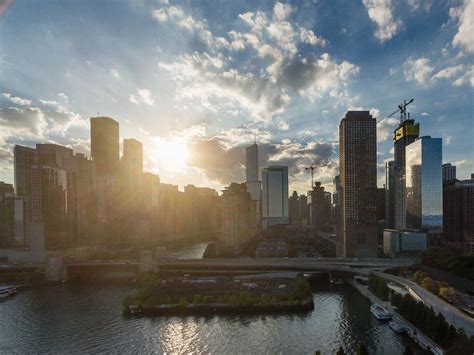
x=275 y=196
x=424 y=184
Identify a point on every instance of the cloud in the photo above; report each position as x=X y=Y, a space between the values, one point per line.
x=224 y=165
x=424 y=114
x=463 y=14
x=22 y=122
x=212 y=80
x=381 y=13
x=466 y=79
x=142 y=96
x=282 y=11
x=448 y=72
x=420 y=4
x=17 y=100
x=385 y=128
x=418 y=70
x=115 y=73
x=283 y=126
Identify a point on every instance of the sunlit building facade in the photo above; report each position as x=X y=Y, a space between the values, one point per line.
x=424 y=184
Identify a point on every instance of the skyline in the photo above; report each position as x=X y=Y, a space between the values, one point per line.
x=182 y=79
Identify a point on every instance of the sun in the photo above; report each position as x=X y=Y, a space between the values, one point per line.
x=171 y=153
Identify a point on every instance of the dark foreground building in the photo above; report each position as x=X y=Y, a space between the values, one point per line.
x=358 y=180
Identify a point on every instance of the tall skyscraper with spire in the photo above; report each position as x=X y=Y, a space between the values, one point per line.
x=254 y=185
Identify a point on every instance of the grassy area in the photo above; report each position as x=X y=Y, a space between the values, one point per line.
x=153 y=291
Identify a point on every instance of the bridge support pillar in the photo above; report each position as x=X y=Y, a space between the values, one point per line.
x=55 y=270
x=146 y=261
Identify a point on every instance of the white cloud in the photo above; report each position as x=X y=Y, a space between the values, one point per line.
x=425 y=114
x=17 y=100
x=283 y=126
x=282 y=11
x=420 y=4
x=381 y=12
x=418 y=70
x=63 y=96
x=466 y=79
x=142 y=96
x=115 y=73
x=464 y=37
x=308 y=36
x=448 y=72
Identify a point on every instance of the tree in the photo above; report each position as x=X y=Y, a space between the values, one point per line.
x=427 y=283
x=362 y=350
x=340 y=351
x=408 y=351
x=448 y=293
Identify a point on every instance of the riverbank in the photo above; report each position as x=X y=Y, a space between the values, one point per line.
x=244 y=293
x=413 y=332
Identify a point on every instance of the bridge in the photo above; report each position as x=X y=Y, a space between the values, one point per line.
x=355 y=266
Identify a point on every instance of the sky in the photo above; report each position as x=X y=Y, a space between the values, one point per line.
x=197 y=81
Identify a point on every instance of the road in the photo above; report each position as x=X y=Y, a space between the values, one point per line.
x=453 y=315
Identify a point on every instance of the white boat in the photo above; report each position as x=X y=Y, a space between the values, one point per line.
x=6 y=291
x=396 y=327
x=380 y=312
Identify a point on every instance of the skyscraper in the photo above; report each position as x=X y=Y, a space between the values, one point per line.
x=405 y=134
x=449 y=172
x=132 y=159
x=458 y=213
x=254 y=185
x=390 y=194
x=105 y=145
x=358 y=179
x=424 y=184
x=275 y=196
x=251 y=172
x=105 y=153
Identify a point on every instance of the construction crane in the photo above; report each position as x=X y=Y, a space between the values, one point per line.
x=311 y=167
x=402 y=108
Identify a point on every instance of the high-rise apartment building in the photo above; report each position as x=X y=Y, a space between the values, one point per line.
x=105 y=145
x=424 y=184
x=449 y=172
x=11 y=217
x=254 y=185
x=458 y=214
x=405 y=134
x=358 y=181
x=275 y=196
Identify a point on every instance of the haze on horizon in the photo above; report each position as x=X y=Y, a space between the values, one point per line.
x=197 y=81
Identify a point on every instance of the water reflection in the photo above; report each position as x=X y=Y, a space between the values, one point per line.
x=87 y=318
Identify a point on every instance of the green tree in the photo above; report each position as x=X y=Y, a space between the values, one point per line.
x=340 y=351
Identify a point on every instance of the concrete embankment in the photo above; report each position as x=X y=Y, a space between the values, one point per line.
x=413 y=332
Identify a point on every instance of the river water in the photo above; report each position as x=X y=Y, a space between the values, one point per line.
x=87 y=318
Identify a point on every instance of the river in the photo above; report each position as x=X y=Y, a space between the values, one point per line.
x=88 y=319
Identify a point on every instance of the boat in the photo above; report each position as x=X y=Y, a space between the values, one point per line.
x=396 y=327
x=338 y=282
x=6 y=291
x=380 y=312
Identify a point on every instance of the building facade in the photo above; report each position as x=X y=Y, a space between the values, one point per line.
x=449 y=172
x=105 y=145
x=275 y=196
x=458 y=214
x=406 y=133
x=238 y=217
x=358 y=184
x=424 y=185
